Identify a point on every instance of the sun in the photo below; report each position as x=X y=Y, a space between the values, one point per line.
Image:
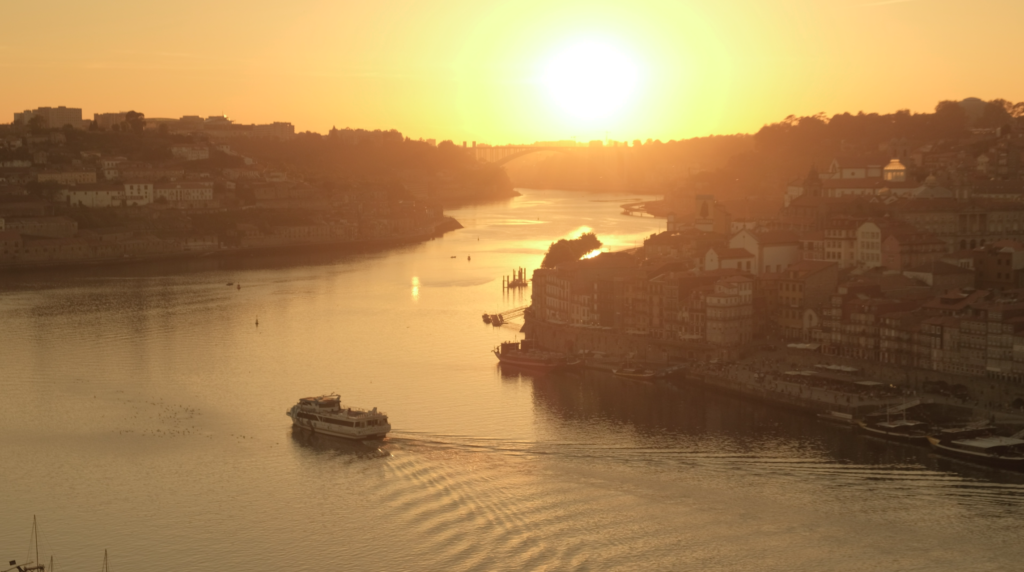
x=591 y=80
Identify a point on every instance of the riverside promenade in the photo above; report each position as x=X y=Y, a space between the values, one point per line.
x=763 y=377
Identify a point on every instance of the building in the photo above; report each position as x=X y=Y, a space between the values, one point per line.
x=54 y=117
x=792 y=300
x=44 y=226
x=107 y=120
x=942 y=276
x=191 y=152
x=184 y=191
x=1000 y=265
x=710 y=216
x=95 y=196
x=137 y=194
x=276 y=129
x=907 y=248
x=730 y=311
x=737 y=258
x=773 y=251
x=67 y=177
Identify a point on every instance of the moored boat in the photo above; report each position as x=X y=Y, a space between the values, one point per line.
x=634 y=373
x=837 y=417
x=325 y=414
x=524 y=355
x=1006 y=452
x=904 y=430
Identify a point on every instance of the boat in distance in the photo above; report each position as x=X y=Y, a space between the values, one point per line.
x=899 y=430
x=325 y=414
x=524 y=355
x=635 y=373
x=1005 y=452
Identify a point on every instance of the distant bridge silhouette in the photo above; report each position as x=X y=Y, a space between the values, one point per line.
x=505 y=153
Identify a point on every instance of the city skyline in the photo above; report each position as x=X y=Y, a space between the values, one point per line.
x=462 y=71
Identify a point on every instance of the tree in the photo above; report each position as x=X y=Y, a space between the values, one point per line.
x=93 y=126
x=996 y=113
x=569 y=250
x=37 y=124
x=136 y=121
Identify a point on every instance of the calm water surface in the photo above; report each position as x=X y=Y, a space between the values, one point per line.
x=142 y=411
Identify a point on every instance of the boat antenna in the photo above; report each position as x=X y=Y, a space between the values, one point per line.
x=105 y=560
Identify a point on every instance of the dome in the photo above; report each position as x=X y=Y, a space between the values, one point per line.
x=894 y=171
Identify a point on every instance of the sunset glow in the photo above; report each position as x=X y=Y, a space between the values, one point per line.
x=513 y=72
x=591 y=80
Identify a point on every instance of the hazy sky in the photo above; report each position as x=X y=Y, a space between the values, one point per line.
x=509 y=71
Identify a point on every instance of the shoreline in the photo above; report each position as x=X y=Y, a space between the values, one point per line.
x=760 y=376
x=449 y=224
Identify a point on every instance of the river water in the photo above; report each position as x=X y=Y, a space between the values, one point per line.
x=142 y=411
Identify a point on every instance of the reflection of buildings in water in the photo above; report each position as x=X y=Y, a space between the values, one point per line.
x=716 y=420
x=321 y=443
x=511 y=373
x=592 y=395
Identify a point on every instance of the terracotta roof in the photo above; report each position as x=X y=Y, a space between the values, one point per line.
x=731 y=253
x=941 y=268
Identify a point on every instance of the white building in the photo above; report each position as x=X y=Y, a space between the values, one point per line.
x=184 y=191
x=773 y=251
x=869 y=245
x=137 y=194
x=95 y=197
x=738 y=258
x=191 y=152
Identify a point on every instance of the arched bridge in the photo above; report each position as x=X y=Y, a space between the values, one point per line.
x=500 y=155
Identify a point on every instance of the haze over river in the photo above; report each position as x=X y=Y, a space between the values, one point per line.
x=142 y=411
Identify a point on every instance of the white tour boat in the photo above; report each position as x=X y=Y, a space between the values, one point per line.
x=325 y=414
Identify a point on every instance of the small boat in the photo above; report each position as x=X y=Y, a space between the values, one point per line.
x=904 y=430
x=497 y=320
x=231 y=283
x=31 y=565
x=524 y=355
x=454 y=257
x=634 y=373
x=468 y=258
x=837 y=417
x=325 y=414
x=487 y=318
x=1006 y=452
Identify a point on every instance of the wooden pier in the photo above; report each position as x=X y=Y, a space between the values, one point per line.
x=516 y=280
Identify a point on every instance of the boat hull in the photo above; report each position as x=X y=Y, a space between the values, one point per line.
x=328 y=429
x=938 y=446
x=634 y=376
x=526 y=363
x=916 y=439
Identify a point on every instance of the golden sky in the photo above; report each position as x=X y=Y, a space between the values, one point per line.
x=509 y=71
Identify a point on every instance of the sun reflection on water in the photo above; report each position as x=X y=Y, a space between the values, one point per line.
x=415 y=288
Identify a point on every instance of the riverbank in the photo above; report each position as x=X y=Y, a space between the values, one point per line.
x=765 y=375
x=448 y=224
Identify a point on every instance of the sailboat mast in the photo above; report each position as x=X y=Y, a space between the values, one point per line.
x=35 y=536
